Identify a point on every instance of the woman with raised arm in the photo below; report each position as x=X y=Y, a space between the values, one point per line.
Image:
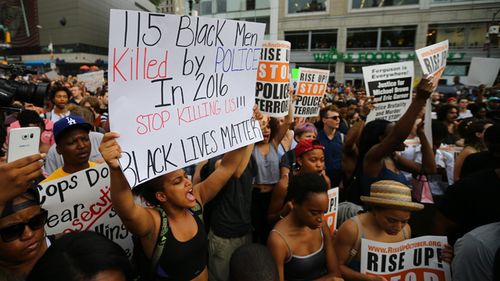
x=380 y=140
x=267 y=162
x=172 y=234
x=300 y=243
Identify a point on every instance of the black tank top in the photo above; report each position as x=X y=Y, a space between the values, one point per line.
x=183 y=260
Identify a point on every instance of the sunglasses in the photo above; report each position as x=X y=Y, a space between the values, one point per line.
x=333 y=117
x=14 y=232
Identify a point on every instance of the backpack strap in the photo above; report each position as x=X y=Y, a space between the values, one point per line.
x=162 y=238
x=355 y=250
x=342 y=137
x=197 y=210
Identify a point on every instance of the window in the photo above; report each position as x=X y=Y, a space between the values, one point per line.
x=459 y=35
x=221 y=6
x=363 y=4
x=362 y=38
x=299 y=40
x=250 y=5
x=323 y=39
x=265 y=20
x=398 y=37
x=306 y=6
x=449 y=1
x=206 y=7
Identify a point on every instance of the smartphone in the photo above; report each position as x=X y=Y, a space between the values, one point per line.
x=23 y=142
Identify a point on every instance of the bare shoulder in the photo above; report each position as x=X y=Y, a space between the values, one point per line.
x=347 y=233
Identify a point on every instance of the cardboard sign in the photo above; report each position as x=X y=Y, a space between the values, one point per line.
x=181 y=89
x=82 y=201
x=412 y=259
x=333 y=203
x=310 y=91
x=433 y=60
x=273 y=78
x=483 y=71
x=391 y=86
x=92 y=80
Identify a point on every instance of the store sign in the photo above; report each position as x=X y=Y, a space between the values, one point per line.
x=373 y=56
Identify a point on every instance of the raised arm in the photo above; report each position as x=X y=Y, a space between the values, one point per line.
x=283 y=128
x=400 y=131
x=137 y=219
x=207 y=189
x=428 y=165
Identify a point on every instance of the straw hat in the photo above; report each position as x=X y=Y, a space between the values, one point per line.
x=391 y=194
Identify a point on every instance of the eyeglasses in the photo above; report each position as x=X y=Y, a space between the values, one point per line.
x=333 y=117
x=13 y=232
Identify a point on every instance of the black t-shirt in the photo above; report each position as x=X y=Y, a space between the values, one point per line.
x=480 y=161
x=230 y=215
x=471 y=202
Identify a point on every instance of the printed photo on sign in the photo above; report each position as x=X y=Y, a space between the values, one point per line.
x=412 y=259
x=310 y=91
x=331 y=214
x=181 y=89
x=433 y=60
x=82 y=201
x=273 y=78
x=390 y=85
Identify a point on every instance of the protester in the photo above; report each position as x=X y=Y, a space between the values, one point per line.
x=300 y=243
x=172 y=234
x=22 y=233
x=267 y=160
x=448 y=114
x=59 y=96
x=73 y=144
x=463 y=111
x=83 y=256
x=55 y=160
x=77 y=92
x=380 y=139
x=473 y=133
x=310 y=158
x=253 y=262
x=475 y=254
x=332 y=140
x=484 y=160
x=385 y=221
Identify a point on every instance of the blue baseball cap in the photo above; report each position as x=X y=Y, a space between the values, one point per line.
x=69 y=122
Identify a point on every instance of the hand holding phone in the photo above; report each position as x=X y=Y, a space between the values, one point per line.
x=23 y=142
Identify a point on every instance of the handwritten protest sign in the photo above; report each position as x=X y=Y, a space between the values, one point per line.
x=310 y=91
x=92 y=80
x=331 y=215
x=82 y=201
x=390 y=85
x=181 y=89
x=483 y=71
x=433 y=60
x=273 y=78
x=410 y=260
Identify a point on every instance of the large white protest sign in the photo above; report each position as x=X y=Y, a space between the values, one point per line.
x=82 y=201
x=310 y=91
x=181 y=89
x=433 y=60
x=331 y=214
x=412 y=259
x=483 y=71
x=390 y=85
x=273 y=78
x=92 y=80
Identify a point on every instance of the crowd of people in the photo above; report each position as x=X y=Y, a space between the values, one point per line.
x=256 y=213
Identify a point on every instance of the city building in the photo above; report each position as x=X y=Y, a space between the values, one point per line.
x=345 y=35
x=176 y=7
x=263 y=11
x=67 y=33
